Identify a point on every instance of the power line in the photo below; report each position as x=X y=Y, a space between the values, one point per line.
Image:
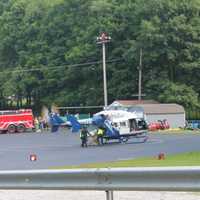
x=61 y=66
x=79 y=107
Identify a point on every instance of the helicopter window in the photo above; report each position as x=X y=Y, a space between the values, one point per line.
x=142 y=124
x=133 y=124
x=122 y=123
x=115 y=124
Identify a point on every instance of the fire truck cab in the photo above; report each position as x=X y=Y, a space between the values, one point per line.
x=12 y=121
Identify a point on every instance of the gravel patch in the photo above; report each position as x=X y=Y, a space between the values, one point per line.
x=93 y=195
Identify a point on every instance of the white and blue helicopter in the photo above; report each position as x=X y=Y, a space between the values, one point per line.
x=117 y=124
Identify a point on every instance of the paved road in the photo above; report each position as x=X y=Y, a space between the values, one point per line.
x=61 y=149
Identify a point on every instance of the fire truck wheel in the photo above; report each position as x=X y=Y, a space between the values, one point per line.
x=21 y=128
x=11 y=128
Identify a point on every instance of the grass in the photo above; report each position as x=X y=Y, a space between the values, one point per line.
x=185 y=159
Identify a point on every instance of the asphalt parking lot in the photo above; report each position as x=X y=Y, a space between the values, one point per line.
x=63 y=149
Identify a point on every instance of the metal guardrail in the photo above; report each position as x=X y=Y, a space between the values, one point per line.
x=106 y=179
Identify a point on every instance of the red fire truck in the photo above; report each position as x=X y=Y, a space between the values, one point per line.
x=16 y=120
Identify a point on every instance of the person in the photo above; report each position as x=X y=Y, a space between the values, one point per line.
x=36 y=123
x=83 y=135
x=41 y=123
x=100 y=133
x=46 y=125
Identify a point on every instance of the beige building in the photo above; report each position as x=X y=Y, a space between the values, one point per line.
x=153 y=111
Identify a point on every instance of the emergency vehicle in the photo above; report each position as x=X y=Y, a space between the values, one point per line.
x=12 y=121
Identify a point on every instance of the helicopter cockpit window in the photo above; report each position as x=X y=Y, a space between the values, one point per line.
x=122 y=123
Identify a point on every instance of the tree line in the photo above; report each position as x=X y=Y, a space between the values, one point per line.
x=41 y=43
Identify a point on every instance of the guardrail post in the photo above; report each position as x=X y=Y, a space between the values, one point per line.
x=109 y=195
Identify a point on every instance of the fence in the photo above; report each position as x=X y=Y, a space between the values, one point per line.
x=108 y=179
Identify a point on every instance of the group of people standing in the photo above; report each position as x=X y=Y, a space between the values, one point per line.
x=85 y=133
x=40 y=124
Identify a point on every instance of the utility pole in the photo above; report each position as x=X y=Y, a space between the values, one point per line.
x=103 y=39
x=104 y=76
x=140 y=77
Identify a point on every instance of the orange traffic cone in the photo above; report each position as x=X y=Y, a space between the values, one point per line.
x=33 y=157
x=161 y=156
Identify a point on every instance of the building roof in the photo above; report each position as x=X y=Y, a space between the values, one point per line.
x=134 y=102
x=149 y=106
x=162 y=108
